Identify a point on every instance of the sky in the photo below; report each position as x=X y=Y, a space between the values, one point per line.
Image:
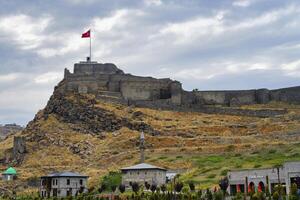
x=204 y=44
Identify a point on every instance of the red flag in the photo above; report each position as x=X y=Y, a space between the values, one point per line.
x=86 y=34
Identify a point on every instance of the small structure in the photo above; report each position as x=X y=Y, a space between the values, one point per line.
x=9 y=174
x=143 y=172
x=253 y=180
x=63 y=184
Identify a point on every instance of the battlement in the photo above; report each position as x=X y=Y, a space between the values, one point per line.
x=107 y=80
x=96 y=68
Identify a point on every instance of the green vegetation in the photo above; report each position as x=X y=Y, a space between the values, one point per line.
x=211 y=168
x=111 y=180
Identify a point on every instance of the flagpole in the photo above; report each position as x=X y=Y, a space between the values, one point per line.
x=91 y=45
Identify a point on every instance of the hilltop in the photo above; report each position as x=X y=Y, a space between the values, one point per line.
x=92 y=134
x=8 y=129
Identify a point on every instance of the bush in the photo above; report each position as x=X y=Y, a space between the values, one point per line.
x=111 y=180
x=238 y=196
x=122 y=188
x=218 y=195
x=135 y=187
x=163 y=188
x=294 y=189
x=153 y=188
x=224 y=172
x=275 y=195
x=178 y=187
x=192 y=186
x=208 y=195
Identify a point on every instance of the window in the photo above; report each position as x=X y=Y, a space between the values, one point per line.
x=68 y=181
x=80 y=181
x=55 y=181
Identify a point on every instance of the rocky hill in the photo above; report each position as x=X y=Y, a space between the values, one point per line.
x=83 y=133
x=93 y=134
x=8 y=129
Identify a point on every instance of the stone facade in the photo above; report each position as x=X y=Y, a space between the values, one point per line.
x=109 y=82
x=255 y=179
x=19 y=149
x=143 y=173
x=63 y=184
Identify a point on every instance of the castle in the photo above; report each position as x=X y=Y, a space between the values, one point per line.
x=107 y=81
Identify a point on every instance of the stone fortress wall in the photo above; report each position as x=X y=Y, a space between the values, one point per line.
x=109 y=82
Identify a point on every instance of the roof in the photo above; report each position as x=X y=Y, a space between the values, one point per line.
x=141 y=166
x=10 y=170
x=65 y=174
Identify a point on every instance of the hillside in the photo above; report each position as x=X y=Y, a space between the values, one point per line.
x=8 y=129
x=83 y=133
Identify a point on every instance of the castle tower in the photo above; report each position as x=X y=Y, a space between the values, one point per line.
x=142 y=147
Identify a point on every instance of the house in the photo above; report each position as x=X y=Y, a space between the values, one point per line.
x=63 y=184
x=9 y=174
x=143 y=173
x=253 y=180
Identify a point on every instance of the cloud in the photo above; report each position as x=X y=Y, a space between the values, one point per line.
x=242 y=3
x=25 y=31
x=237 y=44
x=8 y=77
x=153 y=2
x=49 y=77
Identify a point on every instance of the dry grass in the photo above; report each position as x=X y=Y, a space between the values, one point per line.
x=184 y=139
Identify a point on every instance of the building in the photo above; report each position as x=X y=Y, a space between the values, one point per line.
x=63 y=184
x=9 y=174
x=143 y=173
x=108 y=82
x=262 y=179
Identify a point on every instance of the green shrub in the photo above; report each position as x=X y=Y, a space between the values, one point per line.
x=224 y=172
x=218 y=195
x=276 y=196
x=111 y=180
x=238 y=196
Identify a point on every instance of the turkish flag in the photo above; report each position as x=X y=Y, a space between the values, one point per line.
x=86 y=34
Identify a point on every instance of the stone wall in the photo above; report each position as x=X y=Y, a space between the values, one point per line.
x=93 y=77
x=230 y=98
x=19 y=149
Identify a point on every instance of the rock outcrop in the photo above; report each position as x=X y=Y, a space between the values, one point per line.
x=9 y=129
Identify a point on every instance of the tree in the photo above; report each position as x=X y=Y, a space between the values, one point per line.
x=218 y=195
x=293 y=194
x=122 y=188
x=192 y=186
x=111 y=179
x=135 y=187
x=208 y=195
x=163 y=188
x=153 y=188
x=147 y=185
x=224 y=184
x=101 y=188
x=113 y=188
x=178 y=187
